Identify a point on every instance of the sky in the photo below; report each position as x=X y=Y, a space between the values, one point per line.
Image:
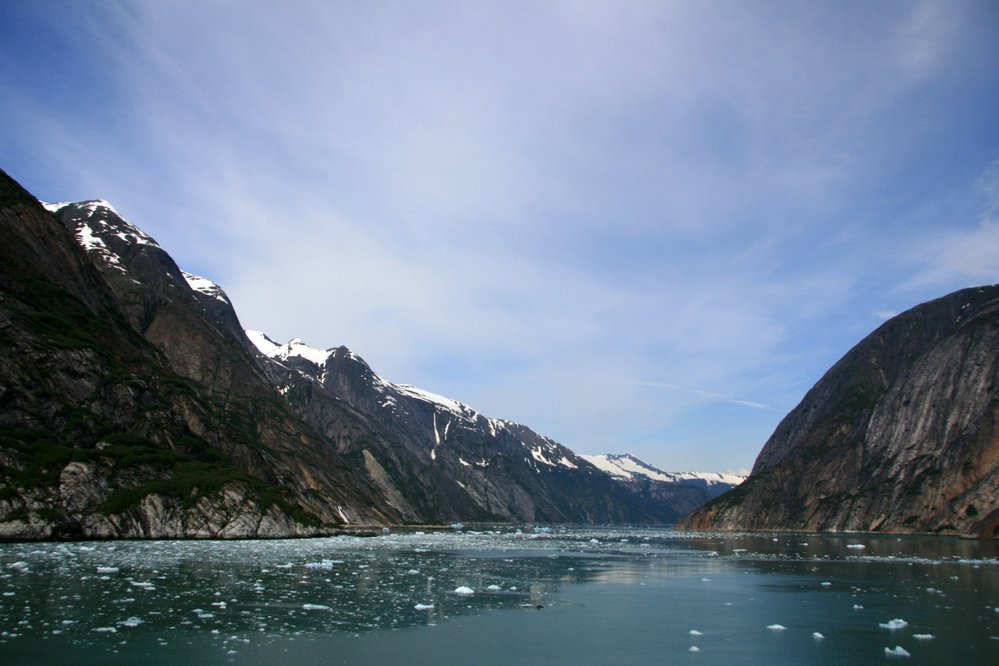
x=644 y=227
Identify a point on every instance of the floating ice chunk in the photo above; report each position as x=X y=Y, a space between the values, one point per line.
x=315 y=607
x=412 y=572
x=856 y=546
x=286 y=565
x=825 y=583
x=857 y=607
x=144 y=584
x=106 y=630
x=693 y=648
x=817 y=635
x=776 y=627
x=130 y=622
x=695 y=632
x=20 y=565
x=894 y=625
x=423 y=607
x=897 y=651
x=705 y=580
x=107 y=570
x=594 y=541
x=464 y=590
x=923 y=637
x=494 y=588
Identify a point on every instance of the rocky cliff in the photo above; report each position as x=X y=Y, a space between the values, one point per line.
x=900 y=436
x=132 y=404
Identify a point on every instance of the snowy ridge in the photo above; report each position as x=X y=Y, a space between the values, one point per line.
x=103 y=222
x=205 y=286
x=627 y=466
x=294 y=347
x=447 y=412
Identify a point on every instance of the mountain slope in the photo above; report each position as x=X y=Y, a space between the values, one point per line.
x=468 y=465
x=901 y=435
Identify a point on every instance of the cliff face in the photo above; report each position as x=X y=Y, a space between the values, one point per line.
x=901 y=435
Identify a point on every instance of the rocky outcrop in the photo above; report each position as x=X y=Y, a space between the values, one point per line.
x=900 y=436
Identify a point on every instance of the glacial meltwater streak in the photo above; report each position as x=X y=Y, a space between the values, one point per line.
x=504 y=596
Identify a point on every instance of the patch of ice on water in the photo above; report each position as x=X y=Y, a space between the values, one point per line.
x=494 y=588
x=897 y=651
x=107 y=570
x=857 y=607
x=130 y=622
x=894 y=625
x=856 y=546
x=776 y=627
x=464 y=590
x=817 y=635
x=423 y=607
x=825 y=583
x=106 y=630
x=315 y=607
x=694 y=648
x=695 y=632
x=923 y=637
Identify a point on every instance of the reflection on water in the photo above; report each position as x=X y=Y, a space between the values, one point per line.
x=580 y=595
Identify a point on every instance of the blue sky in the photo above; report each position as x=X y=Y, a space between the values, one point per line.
x=643 y=227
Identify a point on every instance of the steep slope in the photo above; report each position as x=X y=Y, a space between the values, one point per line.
x=449 y=458
x=901 y=435
x=127 y=409
x=681 y=491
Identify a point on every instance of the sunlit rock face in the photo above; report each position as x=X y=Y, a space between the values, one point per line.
x=901 y=435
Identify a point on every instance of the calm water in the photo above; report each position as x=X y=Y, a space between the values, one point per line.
x=565 y=596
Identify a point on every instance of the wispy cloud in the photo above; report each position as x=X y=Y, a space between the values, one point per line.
x=511 y=203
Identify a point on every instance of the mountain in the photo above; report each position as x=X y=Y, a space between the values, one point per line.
x=681 y=491
x=900 y=436
x=133 y=404
x=445 y=455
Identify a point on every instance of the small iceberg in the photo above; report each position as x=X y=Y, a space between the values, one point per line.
x=494 y=588
x=695 y=632
x=817 y=636
x=923 y=637
x=423 y=607
x=315 y=607
x=856 y=546
x=893 y=625
x=897 y=651
x=464 y=590
x=130 y=622
x=694 y=648
x=107 y=570
x=776 y=627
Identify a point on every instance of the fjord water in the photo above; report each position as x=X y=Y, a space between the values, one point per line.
x=547 y=596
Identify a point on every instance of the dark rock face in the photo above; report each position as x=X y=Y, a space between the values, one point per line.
x=901 y=435
x=132 y=404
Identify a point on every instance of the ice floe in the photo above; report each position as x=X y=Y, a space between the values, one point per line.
x=897 y=651
x=464 y=590
x=695 y=632
x=894 y=625
x=423 y=607
x=776 y=627
x=693 y=648
x=923 y=637
x=316 y=607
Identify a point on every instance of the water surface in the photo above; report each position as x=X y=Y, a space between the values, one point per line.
x=546 y=596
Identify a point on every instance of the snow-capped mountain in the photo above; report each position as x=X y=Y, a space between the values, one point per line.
x=683 y=491
x=627 y=466
x=505 y=469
